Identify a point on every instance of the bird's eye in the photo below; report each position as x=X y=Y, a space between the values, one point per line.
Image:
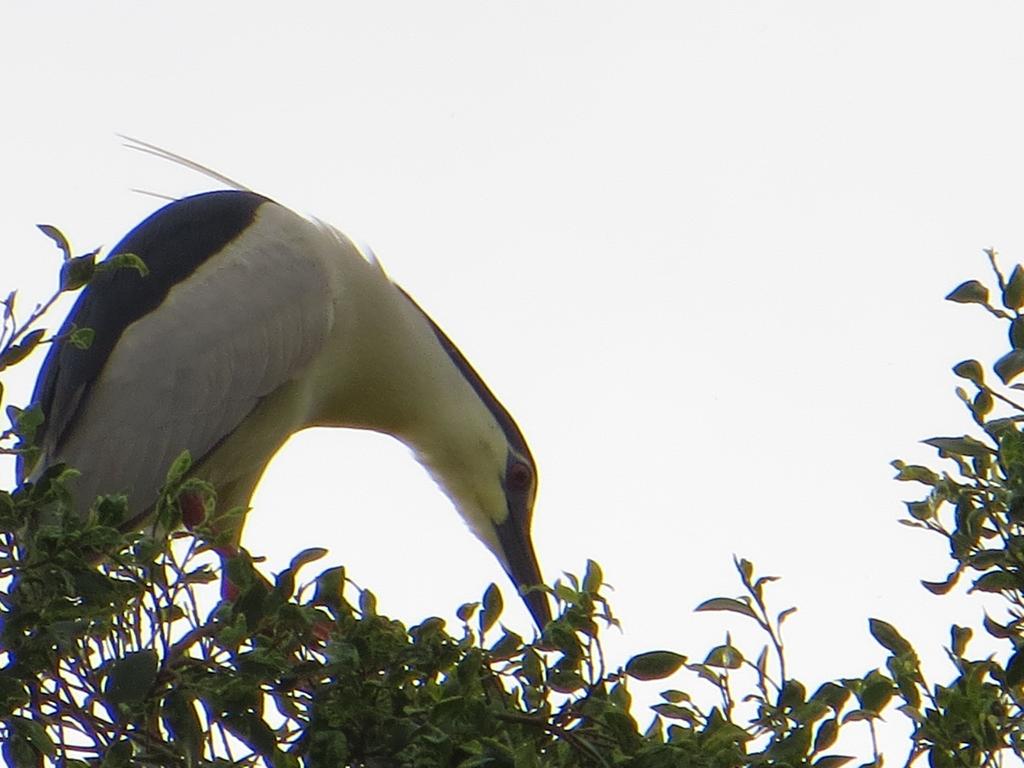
x=518 y=477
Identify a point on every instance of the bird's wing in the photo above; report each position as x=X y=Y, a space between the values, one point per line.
x=244 y=321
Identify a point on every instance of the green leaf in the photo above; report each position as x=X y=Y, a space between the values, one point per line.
x=675 y=697
x=533 y=667
x=307 y=556
x=654 y=665
x=970 y=292
x=675 y=712
x=971 y=370
x=329 y=587
x=77 y=272
x=18 y=352
x=1016 y=332
x=234 y=634
x=724 y=657
x=1013 y=294
x=566 y=594
x=706 y=673
x=832 y=761
x=29 y=418
x=13 y=693
x=762 y=663
x=507 y=647
x=912 y=712
x=655 y=731
x=1015 y=669
x=81 y=338
x=727 y=604
x=252 y=731
x=832 y=695
x=960 y=446
x=284 y=583
x=920 y=510
x=565 y=680
x=593 y=578
x=622 y=728
x=428 y=630
x=877 y=691
x=855 y=715
x=1011 y=450
x=915 y=473
x=123 y=261
x=959 y=637
x=367 y=603
x=1009 y=366
x=466 y=611
x=994 y=628
x=179 y=468
x=118 y=755
x=183 y=724
x=983 y=403
x=826 y=735
x=888 y=637
x=58 y=237
x=792 y=694
x=34 y=734
x=16 y=751
x=745 y=567
x=941 y=587
x=984 y=559
x=129 y=678
x=492 y=608
x=996 y=581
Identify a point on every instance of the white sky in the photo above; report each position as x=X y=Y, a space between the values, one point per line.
x=698 y=249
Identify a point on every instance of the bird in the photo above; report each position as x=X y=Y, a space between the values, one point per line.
x=254 y=323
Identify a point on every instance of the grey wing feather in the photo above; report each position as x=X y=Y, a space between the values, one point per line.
x=186 y=375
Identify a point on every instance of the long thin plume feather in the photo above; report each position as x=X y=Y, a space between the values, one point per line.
x=157 y=195
x=152 y=149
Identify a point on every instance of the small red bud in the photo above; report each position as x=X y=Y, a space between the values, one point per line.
x=229 y=591
x=193 y=510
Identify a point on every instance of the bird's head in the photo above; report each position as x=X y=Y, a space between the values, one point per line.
x=515 y=549
x=494 y=487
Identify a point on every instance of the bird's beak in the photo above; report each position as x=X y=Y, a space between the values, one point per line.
x=521 y=565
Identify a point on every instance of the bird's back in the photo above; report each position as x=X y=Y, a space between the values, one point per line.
x=232 y=304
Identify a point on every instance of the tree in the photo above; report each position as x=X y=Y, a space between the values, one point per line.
x=135 y=661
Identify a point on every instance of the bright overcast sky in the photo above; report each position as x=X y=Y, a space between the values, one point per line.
x=698 y=249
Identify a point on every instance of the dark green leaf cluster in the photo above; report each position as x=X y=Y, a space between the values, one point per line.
x=788 y=726
x=977 y=505
x=117 y=664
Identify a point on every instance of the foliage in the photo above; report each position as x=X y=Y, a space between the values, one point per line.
x=115 y=651
x=977 y=505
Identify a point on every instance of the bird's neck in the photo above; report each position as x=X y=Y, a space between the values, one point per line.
x=389 y=372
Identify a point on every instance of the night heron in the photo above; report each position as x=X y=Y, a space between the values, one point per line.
x=253 y=324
